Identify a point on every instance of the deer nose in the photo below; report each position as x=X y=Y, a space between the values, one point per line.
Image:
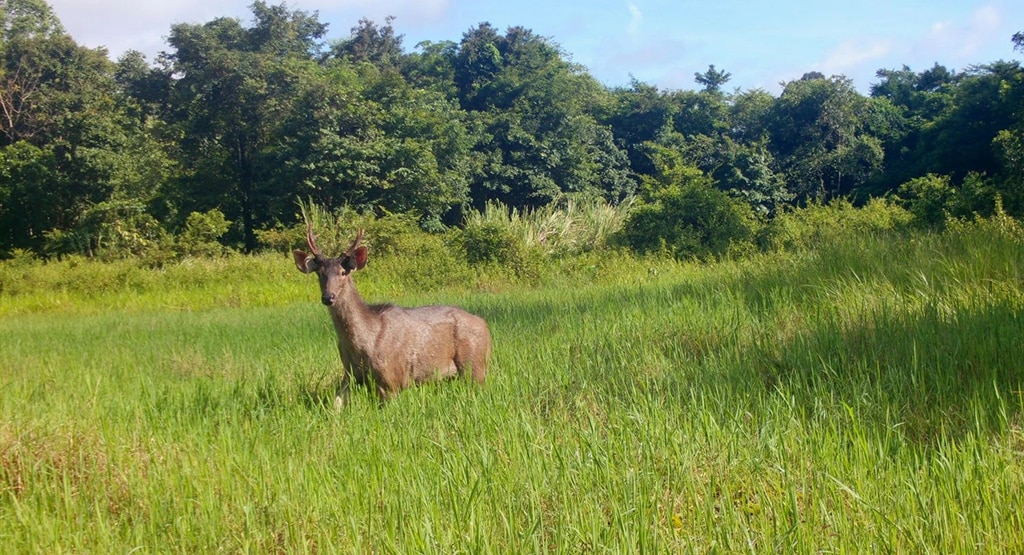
x=327 y=299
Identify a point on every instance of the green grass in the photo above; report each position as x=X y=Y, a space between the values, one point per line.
x=863 y=397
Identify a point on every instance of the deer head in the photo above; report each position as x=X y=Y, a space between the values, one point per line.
x=333 y=272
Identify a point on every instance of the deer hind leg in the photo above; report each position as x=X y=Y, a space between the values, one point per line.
x=384 y=394
x=478 y=367
x=476 y=364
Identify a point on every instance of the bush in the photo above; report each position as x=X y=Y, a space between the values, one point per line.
x=202 y=232
x=935 y=201
x=280 y=238
x=928 y=198
x=397 y=234
x=998 y=225
x=112 y=230
x=691 y=221
x=490 y=242
x=820 y=224
x=391 y=234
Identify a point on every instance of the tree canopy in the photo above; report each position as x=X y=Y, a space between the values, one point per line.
x=242 y=118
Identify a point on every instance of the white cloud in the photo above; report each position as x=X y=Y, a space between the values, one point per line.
x=122 y=25
x=405 y=10
x=853 y=54
x=636 y=19
x=964 y=40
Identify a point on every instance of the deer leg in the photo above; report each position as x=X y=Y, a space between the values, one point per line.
x=341 y=397
x=382 y=395
x=479 y=369
x=475 y=364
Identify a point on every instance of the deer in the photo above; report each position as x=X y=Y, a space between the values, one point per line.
x=389 y=347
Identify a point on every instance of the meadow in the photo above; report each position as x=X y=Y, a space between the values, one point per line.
x=860 y=396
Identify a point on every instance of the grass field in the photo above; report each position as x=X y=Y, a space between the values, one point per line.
x=862 y=397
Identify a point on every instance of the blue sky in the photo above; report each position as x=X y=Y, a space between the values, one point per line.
x=660 y=42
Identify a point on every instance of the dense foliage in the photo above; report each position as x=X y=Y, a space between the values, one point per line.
x=236 y=121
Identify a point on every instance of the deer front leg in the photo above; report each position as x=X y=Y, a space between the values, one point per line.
x=341 y=397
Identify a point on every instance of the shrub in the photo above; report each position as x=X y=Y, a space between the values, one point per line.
x=398 y=234
x=280 y=238
x=819 y=224
x=935 y=201
x=490 y=242
x=691 y=221
x=201 y=234
x=112 y=230
x=998 y=225
x=391 y=234
x=928 y=198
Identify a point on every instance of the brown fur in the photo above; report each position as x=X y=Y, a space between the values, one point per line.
x=389 y=346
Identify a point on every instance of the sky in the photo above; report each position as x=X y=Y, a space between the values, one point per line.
x=658 y=42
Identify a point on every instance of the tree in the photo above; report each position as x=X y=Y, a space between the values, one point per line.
x=750 y=174
x=31 y=41
x=980 y=105
x=367 y=139
x=699 y=113
x=477 y=64
x=820 y=137
x=749 y=115
x=638 y=115
x=67 y=145
x=712 y=79
x=233 y=89
x=539 y=140
x=145 y=86
x=433 y=67
x=369 y=43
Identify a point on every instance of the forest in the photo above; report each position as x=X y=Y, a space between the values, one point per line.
x=236 y=122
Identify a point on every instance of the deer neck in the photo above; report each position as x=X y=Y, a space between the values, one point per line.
x=355 y=322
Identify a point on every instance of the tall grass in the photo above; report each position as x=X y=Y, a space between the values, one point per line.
x=571 y=225
x=864 y=397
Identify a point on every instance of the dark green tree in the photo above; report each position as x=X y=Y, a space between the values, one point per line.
x=67 y=147
x=959 y=139
x=367 y=139
x=232 y=90
x=370 y=43
x=540 y=139
x=637 y=115
x=433 y=67
x=750 y=115
x=712 y=79
x=820 y=137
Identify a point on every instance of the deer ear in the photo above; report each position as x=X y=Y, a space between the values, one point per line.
x=360 y=257
x=306 y=263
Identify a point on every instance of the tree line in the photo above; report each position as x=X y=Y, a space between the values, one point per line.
x=225 y=130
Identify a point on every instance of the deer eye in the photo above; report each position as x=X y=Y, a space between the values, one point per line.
x=348 y=264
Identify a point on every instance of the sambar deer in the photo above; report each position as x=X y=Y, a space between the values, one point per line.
x=388 y=346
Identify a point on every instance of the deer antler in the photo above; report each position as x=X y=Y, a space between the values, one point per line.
x=311 y=239
x=355 y=244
